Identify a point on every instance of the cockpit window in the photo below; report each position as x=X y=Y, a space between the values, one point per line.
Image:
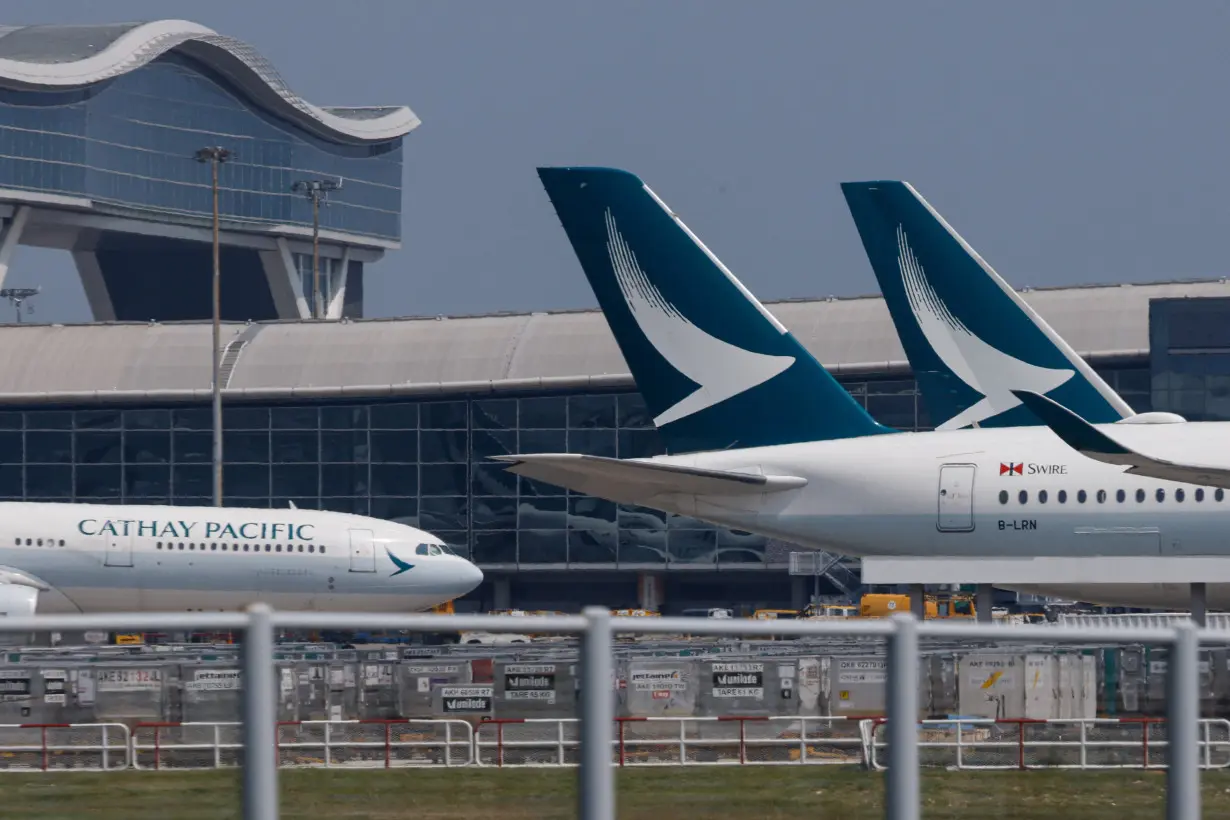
x=421 y=549
x=436 y=550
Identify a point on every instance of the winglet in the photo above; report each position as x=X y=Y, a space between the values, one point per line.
x=1092 y=443
x=1077 y=433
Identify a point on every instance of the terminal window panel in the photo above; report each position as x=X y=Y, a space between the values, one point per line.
x=418 y=462
x=133 y=141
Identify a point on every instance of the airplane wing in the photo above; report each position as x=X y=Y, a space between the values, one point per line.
x=1089 y=441
x=631 y=481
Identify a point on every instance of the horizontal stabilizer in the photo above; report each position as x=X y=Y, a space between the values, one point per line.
x=629 y=480
x=1089 y=441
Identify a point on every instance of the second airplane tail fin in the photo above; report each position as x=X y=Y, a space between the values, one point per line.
x=970 y=338
x=717 y=370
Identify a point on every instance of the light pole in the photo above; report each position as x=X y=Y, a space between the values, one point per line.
x=215 y=156
x=317 y=191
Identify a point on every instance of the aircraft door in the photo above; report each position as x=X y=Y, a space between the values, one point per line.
x=956 y=498
x=119 y=551
x=362 y=551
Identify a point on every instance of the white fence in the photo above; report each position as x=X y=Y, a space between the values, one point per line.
x=304 y=743
x=98 y=747
x=597 y=728
x=1100 y=743
x=964 y=744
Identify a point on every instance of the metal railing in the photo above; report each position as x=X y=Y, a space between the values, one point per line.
x=596 y=627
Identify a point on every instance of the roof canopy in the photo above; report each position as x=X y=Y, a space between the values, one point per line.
x=50 y=57
x=574 y=350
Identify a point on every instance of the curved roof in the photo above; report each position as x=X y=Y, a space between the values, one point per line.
x=46 y=57
x=537 y=351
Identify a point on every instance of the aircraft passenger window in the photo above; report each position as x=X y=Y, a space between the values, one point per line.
x=1023 y=496
x=1080 y=496
x=192 y=545
x=1063 y=496
x=1161 y=494
x=268 y=547
x=1179 y=495
x=1120 y=496
x=213 y=547
x=1219 y=494
x=1101 y=496
x=421 y=549
x=181 y=545
x=1140 y=496
x=1041 y=496
x=300 y=548
x=61 y=542
x=30 y=541
x=278 y=548
x=40 y=542
x=322 y=549
x=1200 y=493
x=311 y=548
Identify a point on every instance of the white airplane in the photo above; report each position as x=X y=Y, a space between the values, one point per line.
x=767 y=441
x=69 y=558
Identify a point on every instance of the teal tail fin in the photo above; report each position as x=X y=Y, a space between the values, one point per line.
x=970 y=338
x=716 y=369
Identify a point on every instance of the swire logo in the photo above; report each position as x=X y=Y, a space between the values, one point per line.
x=1011 y=468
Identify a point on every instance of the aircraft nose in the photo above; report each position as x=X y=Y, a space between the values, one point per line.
x=469 y=576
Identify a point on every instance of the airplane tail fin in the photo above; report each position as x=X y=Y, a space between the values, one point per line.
x=970 y=338
x=716 y=369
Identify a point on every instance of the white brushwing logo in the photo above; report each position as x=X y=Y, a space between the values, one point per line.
x=721 y=369
x=991 y=372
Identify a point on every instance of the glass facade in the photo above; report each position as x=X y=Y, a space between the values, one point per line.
x=131 y=141
x=1189 y=351
x=418 y=462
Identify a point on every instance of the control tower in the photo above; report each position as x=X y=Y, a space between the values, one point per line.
x=100 y=130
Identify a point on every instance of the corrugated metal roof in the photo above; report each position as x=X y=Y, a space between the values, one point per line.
x=121 y=361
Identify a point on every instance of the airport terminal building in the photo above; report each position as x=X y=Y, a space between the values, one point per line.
x=395 y=418
x=99 y=132
x=391 y=418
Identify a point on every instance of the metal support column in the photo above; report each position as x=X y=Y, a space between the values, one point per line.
x=317 y=190
x=903 y=795
x=1183 y=726
x=1200 y=604
x=984 y=601
x=918 y=599
x=596 y=785
x=215 y=156
x=260 y=764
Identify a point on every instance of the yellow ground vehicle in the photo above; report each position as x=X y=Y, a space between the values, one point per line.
x=775 y=614
x=828 y=612
x=772 y=615
x=444 y=609
x=880 y=605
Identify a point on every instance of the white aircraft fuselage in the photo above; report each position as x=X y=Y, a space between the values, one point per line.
x=99 y=558
x=983 y=493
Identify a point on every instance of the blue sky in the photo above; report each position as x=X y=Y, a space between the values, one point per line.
x=1068 y=142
